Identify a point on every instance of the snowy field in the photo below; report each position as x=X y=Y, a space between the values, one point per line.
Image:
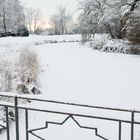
x=72 y=72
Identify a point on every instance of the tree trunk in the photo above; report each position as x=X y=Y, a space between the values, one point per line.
x=4 y=21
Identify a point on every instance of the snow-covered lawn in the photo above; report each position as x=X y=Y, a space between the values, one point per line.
x=75 y=73
x=72 y=72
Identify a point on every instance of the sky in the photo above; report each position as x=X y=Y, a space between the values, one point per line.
x=48 y=7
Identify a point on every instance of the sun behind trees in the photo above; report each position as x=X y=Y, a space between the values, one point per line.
x=14 y=16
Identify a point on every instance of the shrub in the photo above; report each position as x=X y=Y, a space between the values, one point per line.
x=28 y=66
x=134 y=50
x=5 y=76
x=23 y=71
x=23 y=31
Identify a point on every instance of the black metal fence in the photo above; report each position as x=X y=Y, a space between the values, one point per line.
x=69 y=115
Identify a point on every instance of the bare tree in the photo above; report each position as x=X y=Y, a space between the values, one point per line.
x=33 y=18
x=37 y=19
x=91 y=13
x=61 y=20
x=29 y=18
x=55 y=23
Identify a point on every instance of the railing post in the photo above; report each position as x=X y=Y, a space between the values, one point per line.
x=7 y=123
x=120 y=129
x=16 y=118
x=26 y=121
x=132 y=125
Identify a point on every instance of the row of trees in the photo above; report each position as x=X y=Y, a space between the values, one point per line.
x=13 y=15
x=116 y=17
x=61 y=22
x=120 y=18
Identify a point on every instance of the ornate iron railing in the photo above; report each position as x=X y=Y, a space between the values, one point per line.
x=68 y=115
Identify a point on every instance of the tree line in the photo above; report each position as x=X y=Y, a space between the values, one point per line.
x=16 y=19
x=119 y=18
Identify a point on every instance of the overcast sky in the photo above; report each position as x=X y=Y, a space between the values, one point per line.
x=48 y=7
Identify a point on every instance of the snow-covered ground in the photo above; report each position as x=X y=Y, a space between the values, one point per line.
x=36 y=40
x=72 y=72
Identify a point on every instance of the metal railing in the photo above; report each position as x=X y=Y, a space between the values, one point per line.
x=68 y=115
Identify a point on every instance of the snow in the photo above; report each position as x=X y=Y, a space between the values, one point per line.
x=72 y=72
x=36 y=40
x=87 y=73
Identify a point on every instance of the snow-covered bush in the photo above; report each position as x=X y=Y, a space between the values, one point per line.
x=23 y=69
x=5 y=77
x=18 y=73
x=7 y=34
x=134 y=49
x=28 y=65
x=23 y=31
x=116 y=46
x=99 y=41
x=104 y=42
